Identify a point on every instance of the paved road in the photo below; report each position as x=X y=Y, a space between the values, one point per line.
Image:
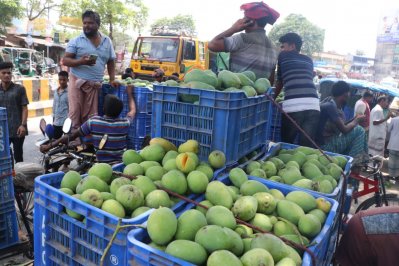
x=31 y=152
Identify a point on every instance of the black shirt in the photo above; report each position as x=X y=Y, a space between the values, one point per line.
x=329 y=116
x=14 y=98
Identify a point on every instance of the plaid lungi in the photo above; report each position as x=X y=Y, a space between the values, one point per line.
x=393 y=163
x=352 y=144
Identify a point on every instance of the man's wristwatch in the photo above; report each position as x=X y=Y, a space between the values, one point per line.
x=24 y=125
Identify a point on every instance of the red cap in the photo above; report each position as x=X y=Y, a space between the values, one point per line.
x=257 y=10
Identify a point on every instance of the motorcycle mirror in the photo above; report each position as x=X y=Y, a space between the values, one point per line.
x=102 y=142
x=66 y=128
x=42 y=126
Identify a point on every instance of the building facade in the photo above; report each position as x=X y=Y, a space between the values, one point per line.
x=387 y=51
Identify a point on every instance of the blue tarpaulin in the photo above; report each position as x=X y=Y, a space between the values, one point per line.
x=364 y=84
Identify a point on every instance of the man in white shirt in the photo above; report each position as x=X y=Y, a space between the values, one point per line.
x=393 y=147
x=362 y=107
x=378 y=127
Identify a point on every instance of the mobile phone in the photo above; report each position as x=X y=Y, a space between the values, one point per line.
x=250 y=22
x=93 y=57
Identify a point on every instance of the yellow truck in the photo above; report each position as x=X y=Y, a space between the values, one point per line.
x=171 y=53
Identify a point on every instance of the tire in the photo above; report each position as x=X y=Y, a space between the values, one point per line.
x=391 y=198
x=27 y=204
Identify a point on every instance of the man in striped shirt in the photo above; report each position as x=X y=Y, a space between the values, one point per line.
x=301 y=102
x=97 y=126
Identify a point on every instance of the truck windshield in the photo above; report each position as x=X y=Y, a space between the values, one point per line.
x=158 y=49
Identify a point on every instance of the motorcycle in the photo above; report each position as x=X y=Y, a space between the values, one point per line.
x=66 y=156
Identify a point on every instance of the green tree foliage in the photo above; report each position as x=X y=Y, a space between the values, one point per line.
x=182 y=22
x=9 y=9
x=312 y=35
x=116 y=15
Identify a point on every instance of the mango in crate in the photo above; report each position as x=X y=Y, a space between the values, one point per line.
x=70 y=180
x=257 y=256
x=189 y=223
x=162 y=225
x=130 y=197
x=114 y=207
x=219 y=215
x=67 y=191
x=213 y=237
x=189 y=146
x=218 y=194
x=187 y=250
x=158 y=198
x=197 y=75
x=145 y=184
x=154 y=152
x=261 y=85
x=186 y=162
x=217 y=159
x=73 y=214
x=91 y=182
x=92 y=197
x=102 y=171
x=223 y=257
x=131 y=156
x=167 y=145
x=117 y=183
x=251 y=75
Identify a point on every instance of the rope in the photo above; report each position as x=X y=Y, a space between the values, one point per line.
x=345 y=177
x=292 y=244
x=289 y=242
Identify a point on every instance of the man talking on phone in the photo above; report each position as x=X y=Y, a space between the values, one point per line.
x=87 y=56
x=251 y=49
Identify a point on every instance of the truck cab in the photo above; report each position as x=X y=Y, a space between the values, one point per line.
x=171 y=52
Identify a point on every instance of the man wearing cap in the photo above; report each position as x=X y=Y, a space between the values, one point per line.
x=250 y=50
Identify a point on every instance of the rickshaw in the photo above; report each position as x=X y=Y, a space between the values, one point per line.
x=27 y=62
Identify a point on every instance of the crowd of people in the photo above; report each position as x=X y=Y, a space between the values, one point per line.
x=91 y=52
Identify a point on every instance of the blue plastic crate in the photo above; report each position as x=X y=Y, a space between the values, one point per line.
x=229 y=122
x=6 y=181
x=336 y=194
x=142 y=98
x=105 y=90
x=274 y=133
x=62 y=240
x=139 y=253
x=8 y=224
x=4 y=139
x=140 y=127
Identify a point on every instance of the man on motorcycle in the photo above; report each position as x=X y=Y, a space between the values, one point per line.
x=97 y=126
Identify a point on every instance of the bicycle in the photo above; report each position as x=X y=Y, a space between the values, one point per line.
x=373 y=183
x=24 y=209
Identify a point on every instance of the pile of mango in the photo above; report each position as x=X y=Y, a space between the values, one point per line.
x=226 y=81
x=134 y=82
x=213 y=236
x=161 y=163
x=301 y=167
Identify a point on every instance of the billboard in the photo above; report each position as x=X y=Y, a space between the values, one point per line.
x=388 y=30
